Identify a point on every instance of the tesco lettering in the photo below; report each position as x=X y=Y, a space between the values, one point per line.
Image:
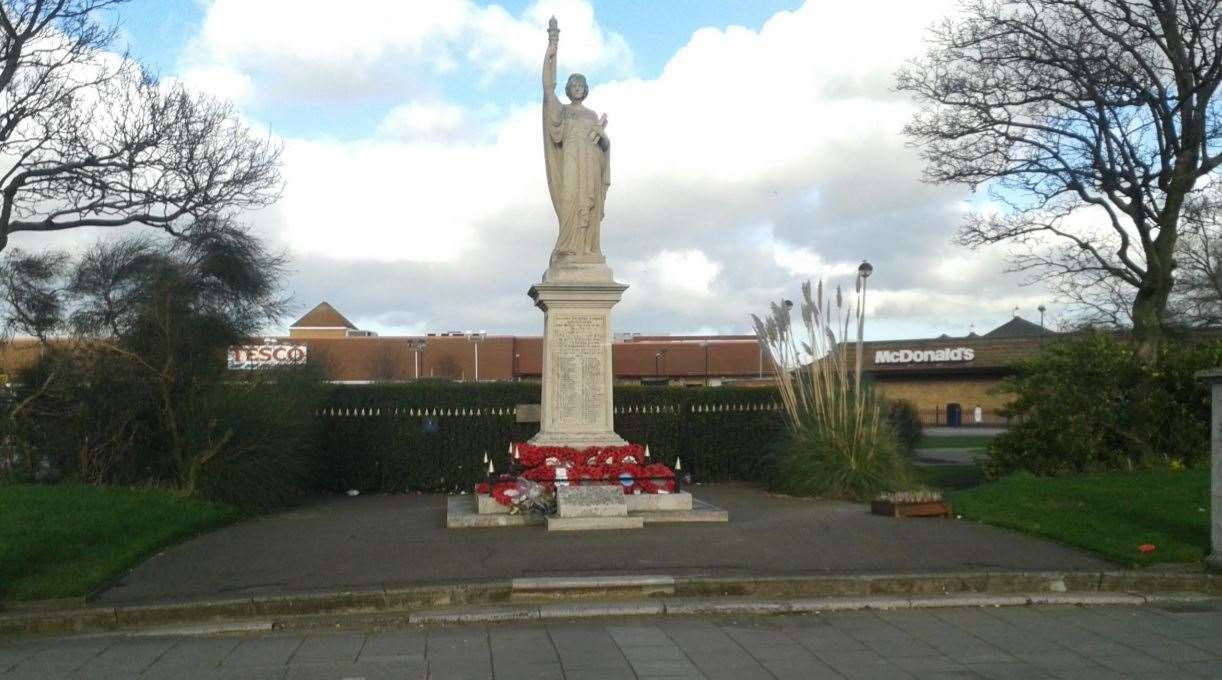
x=917 y=356
x=245 y=357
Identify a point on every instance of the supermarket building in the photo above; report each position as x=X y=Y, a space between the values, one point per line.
x=946 y=378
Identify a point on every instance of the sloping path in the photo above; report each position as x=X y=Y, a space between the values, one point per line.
x=371 y=541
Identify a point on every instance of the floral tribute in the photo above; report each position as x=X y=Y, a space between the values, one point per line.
x=542 y=468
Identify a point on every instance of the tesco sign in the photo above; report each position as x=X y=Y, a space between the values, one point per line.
x=245 y=357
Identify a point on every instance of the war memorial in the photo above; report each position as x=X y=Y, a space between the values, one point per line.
x=577 y=474
x=336 y=535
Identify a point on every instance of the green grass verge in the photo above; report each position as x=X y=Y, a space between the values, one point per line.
x=1109 y=513
x=66 y=540
x=949 y=477
x=971 y=441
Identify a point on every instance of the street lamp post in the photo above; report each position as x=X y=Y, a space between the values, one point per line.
x=1042 y=309
x=863 y=274
x=476 y=337
x=417 y=347
x=706 y=362
x=659 y=362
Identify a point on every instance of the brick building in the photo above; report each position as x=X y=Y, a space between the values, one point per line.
x=947 y=378
x=951 y=380
x=348 y=354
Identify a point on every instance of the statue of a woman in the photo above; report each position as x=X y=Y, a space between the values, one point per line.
x=577 y=152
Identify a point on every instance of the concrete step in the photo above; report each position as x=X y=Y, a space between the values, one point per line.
x=593 y=523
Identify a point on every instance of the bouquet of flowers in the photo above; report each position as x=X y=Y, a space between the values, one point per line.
x=520 y=495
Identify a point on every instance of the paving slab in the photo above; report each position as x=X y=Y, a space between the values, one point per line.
x=370 y=542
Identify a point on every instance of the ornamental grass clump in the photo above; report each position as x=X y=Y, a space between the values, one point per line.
x=839 y=444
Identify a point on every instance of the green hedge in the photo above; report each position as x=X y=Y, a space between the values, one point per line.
x=375 y=436
x=1092 y=403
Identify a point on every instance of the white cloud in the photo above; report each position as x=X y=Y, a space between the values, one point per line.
x=314 y=49
x=802 y=262
x=441 y=218
x=670 y=272
x=219 y=81
x=426 y=120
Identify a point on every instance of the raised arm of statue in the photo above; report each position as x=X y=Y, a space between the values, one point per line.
x=551 y=105
x=549 y=60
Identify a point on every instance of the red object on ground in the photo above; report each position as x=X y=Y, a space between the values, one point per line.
x=505 y=493
x=1146 y=548
x=595 y=463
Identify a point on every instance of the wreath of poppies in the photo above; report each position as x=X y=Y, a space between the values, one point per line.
x=547 y=465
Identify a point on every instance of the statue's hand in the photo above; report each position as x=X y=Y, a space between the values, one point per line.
x=594 y=136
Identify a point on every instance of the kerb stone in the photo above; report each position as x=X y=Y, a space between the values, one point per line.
x=591 y=501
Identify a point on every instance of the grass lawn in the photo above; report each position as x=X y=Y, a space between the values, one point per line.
x=1109 y=513
x=65 y=540
x=971 y=441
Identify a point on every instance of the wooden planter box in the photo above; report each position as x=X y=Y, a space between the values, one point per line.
x=927 y=509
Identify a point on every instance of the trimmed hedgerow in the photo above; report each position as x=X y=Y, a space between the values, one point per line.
x=432 y=435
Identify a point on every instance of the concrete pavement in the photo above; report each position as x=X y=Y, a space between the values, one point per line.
x=1169 y=641
x=394 y=541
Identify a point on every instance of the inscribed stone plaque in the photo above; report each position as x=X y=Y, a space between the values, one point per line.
x=591 y=501
x=578 y=384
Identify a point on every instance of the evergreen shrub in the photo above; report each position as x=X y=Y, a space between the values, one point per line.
x=905 y=421
x=1090 y=403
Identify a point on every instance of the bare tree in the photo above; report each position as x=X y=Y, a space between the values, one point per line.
x=1198 y=294
x=87 y=139
x=1091 y=121
x=1098 y=299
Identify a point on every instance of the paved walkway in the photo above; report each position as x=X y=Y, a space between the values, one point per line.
x=372 y=541
x=1010 y=642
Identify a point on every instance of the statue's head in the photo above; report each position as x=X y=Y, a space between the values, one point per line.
x=577 y=88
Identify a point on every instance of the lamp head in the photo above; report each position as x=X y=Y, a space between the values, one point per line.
x=865 y=269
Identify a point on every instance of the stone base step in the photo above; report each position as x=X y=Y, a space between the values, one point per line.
x=696 y=515
x=644 y=502
x=462 y=513
x=653 y=502
x=593 y=523
x=487 y=505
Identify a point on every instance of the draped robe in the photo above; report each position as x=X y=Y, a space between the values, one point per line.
x=578 y=174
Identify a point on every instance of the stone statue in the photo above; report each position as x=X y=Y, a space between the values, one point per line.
x=577 y=153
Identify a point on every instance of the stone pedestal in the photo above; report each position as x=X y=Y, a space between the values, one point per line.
x=576 y=407
x=587 y=508
x=1214 y=378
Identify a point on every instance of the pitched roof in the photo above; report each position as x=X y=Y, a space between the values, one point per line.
x=1018 y=327
x=323 y=316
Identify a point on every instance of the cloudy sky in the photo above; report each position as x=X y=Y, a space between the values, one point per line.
x=757 y=144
